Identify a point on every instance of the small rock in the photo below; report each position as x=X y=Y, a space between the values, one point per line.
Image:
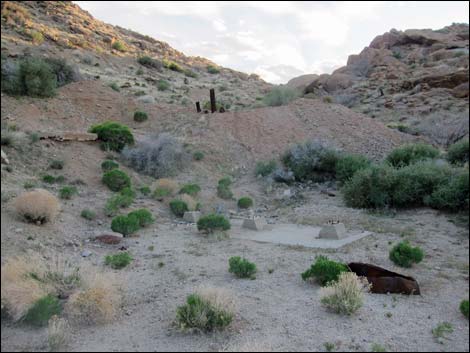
x=86 y=253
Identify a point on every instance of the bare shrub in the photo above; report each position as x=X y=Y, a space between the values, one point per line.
x=345 y=296
x=221 y=298
x=160 y=157
x=190 y=202
x=58 y=334
x=37 y=206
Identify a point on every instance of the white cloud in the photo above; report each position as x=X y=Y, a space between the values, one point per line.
x=219 y=25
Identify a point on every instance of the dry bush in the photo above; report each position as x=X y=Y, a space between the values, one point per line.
x=38 y=206
x=220 y=298
x=58 y=334
x=167 y=184
x=249 y=346
x=346 y=295
x=190 y=202
x=98 y=299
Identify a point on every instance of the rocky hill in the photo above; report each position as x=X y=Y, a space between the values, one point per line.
x=413 y=80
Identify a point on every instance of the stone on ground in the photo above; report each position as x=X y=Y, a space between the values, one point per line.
x=333 y=231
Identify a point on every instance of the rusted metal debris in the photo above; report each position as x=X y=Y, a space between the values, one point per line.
x=384 y=281
x=70 y=136
x=213 y=103
x=198 y=107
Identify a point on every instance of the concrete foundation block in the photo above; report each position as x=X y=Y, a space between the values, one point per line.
x=192 y=217
x=333 y=231
x=254 y=224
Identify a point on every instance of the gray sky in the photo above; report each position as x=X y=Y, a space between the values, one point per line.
x=277 y=40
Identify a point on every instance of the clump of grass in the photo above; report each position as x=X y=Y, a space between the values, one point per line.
x=140 y=116
x=349 y=164
x=404 y=255
x=212 y=223
x=67 y=192
x=119 y=46
x=325 y=271
x=116 y=180
x=145 y=190
x=242 y=268
x=224 y=188
x=88 y=214
x=212 y=69
x=42 y=310
x=118 y=261
x=207 y=310
x=126 y=225
x=245 y=202
x=280 y=96
x=346 y=295
x=149 y=62
x=458 y=152
x=114 y=86
x=265 y=168
x=411 y=153
x=108 y=165
x=163 y=85
x=464 y=307
x=178 y=207
x=442 y=330
x=198 y=156
x=116 y=202
x=37 y=206
x=58 y=334
x=164 y=188
x=190 y=189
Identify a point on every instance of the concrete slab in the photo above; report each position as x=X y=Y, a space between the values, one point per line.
x=192 y=217
x=294 y=235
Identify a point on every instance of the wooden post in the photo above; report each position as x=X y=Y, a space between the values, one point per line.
x=198 y=107
x=213 y=105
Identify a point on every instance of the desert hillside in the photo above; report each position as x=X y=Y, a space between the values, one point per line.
x=279 y=222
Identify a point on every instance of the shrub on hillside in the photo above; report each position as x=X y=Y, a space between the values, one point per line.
x=57 y=164
x=113 y=136
x=404 y=255
x=324 y=270
x=116 y=180
x=108 y=165
x=411 y=153
x=458 y=152
x=348 y=164
x=464 y=308
x=34 y=78
x=163 y=85
x=312 y=160
x=178 y=207
x=37 y=206
x=67 y=192
x=224 y=188
x=198 y=156
x=207 y=310
x=159 y=157
x=63 y=72
x=149 y=62
x=280 y=96
x=241 y=268
x=192 y=204
x=140 y=116
x=88 y=214
x=346 y=295
x=164 y=188
x=58 y=334
x=118 y=261
x=125 y=225
x=265 y=168
x=144 y=217
x=245 y=202
x=213 y=222
x=451 y=196
x=119 y=46
x=190 y=189
x=117 y=202
x=42 y=310
x=212 y=69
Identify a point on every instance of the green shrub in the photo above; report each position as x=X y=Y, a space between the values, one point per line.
x=451 y=196
x=213 y=222
x=265 y=168
x=241 y=268
x=172 y=66
x=125 y=225
x=458 y=152
x=190 y=189
x=347 y=165
x=404 y=255
x=116 y=202
x=144 y=217
x=63 y=72
x=411 y=153
x=114 y=86
x=116 y=180
x=160 y=193
x=145 y=190
x=178 y=207
x=128 y=192
x=324 y=270
x=280 y=96
x=35 y=78
x=223 y=188
x=212 y=69
x=67 y=192
x=113 y=136
x=199 y=313
x=163 y=85
x=312 y=160
x=464 y=308
x=118 y=261
x=42 y=310
x=108 y=165
x=245 y=202
x=56 y=164
x=49 y=179
x=119 y=46
x=88 y=214
x=36 y=37
x=190 y=73
x=198 y=156
x=149 y=62
x=140 y=116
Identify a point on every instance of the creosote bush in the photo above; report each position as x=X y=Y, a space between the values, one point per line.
x=119 y=46
x=140 y=116
x=178 y=207
x=245 y=202
x=113 y=136
x=348 y=164
x=411 y=153
x=280 y=96
x=116 y=180
x=118 y=261
x=464 y=307
x=313 y=160
x=346 y=295
x=116 y=202
x=42 y=310
x=144 y=217
x=198 y=156
x=160 y=157
x=163 y=85
x=458 y=152
x=190 y=189
x=67 y=192
x=207 y=310
x=241 y=268
x=404 y=255
x=451 y=196
x=212 y=69
x=265 y=168
x=126 y=225
x=223 y=188
x=108 y=165
x=212 y=223
x=88 y=214
x=149 y=62
x=325 y=270
x=37 y=206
